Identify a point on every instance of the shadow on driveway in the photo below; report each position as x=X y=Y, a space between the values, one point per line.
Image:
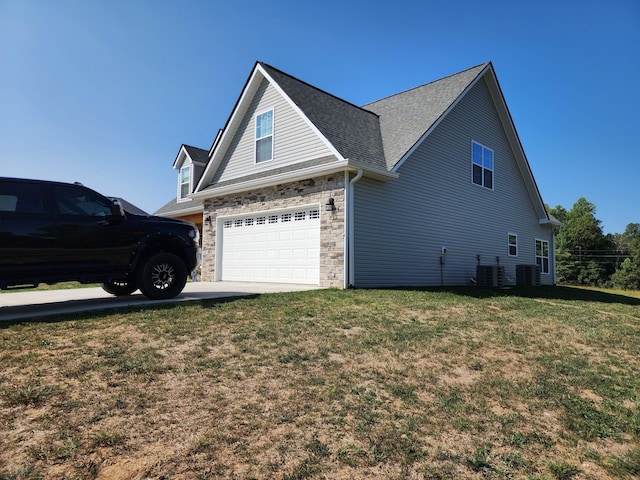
x=45 y=303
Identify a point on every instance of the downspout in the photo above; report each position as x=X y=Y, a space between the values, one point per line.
x=350 y=277
x=552 y=253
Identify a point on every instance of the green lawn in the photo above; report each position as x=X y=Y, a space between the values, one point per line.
x=539 y=383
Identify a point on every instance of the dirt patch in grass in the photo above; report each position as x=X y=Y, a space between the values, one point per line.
x=330 y=384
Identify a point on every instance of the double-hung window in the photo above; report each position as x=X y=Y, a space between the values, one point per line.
x=481 y=165
x=264 y=136
x=542 y=255
x=513 y=245
x=185 y=182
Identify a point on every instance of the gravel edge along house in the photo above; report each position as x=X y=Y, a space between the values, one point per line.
x=426 y=187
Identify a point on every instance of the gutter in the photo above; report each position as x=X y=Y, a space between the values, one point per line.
x=297 y=175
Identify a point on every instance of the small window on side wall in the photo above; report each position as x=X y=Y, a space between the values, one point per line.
x=513 y=245
x=185 y=183
x=481 y=165
x=542 y=255
x=264 y=136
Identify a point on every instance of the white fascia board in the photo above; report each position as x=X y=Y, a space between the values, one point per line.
x=554 y=222
x=297 y=109
x=437 y=122
x=253 y=83
x=176 y=164
x=374 y=173
x=215 y=142
x=183 y=211
x=288 y=177
x=179 y=161
x=263 y=182
x=230 y=128
x=271 y=181
x=516 y=146
x=510 y=131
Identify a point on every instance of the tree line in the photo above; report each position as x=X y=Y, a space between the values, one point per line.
x=586 y=256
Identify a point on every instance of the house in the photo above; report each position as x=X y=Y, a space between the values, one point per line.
x=426 y=187
x=190 y=163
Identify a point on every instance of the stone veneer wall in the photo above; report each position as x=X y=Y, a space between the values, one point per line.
x=316 y=190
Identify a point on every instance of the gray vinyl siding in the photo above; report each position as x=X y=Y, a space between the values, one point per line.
x=197 y=174
x=401 y=226
x=294 y=140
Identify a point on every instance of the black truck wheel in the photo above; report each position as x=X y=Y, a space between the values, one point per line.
x=162 y=276
x=119 y=288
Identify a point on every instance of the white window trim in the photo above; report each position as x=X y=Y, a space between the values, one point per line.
x=511 y=234
x=180 y=197
x=493 y=170
x=255 y=135
x=276 y=211
x=548 y=257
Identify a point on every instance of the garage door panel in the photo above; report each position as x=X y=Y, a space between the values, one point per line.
x=285 y=255
x=276 y=247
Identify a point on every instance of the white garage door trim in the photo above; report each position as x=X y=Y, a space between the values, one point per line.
x=281 y=246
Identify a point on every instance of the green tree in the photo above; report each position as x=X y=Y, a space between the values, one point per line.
x=581 y=245
x=558 y=211
x=627 y=276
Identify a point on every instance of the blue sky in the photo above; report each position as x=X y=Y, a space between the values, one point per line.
x=105 y=92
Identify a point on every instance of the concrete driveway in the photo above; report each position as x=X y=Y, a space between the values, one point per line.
x=39 y=304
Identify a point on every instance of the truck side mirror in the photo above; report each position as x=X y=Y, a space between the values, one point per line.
x=117 y=209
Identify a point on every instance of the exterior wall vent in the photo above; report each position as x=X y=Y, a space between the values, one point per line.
x=490 y=275
x=528 y=275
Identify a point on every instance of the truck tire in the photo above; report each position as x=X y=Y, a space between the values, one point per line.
x=119 y=288
x=162 y=276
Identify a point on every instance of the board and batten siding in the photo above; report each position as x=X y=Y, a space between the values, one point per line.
x=401 y=226
x=294 y=141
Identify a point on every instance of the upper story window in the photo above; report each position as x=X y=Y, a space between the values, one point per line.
x=482 y=165
x=185 y=182
x=264 y=136
x=513 y=245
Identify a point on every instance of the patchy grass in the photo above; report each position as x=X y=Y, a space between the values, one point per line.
x=537 y=383
x=628 y=293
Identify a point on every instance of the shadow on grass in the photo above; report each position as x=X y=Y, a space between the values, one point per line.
x=106 y=311
x=546 y=292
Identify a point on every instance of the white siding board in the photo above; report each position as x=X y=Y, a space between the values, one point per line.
x=401 y=226
x=294 y=140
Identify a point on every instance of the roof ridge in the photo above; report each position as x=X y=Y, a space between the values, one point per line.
x=425 y=84
x=263 y=64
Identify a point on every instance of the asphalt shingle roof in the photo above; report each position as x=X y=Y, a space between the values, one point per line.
x=376 y=135
x=353 y=131
x=380 y=133
x=173 y=207
x=406 y=117
x=197 y=154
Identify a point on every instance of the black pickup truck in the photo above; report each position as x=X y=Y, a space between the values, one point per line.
x=53 y=232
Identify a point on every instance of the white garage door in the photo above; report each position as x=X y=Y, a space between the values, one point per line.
x=273 y=247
